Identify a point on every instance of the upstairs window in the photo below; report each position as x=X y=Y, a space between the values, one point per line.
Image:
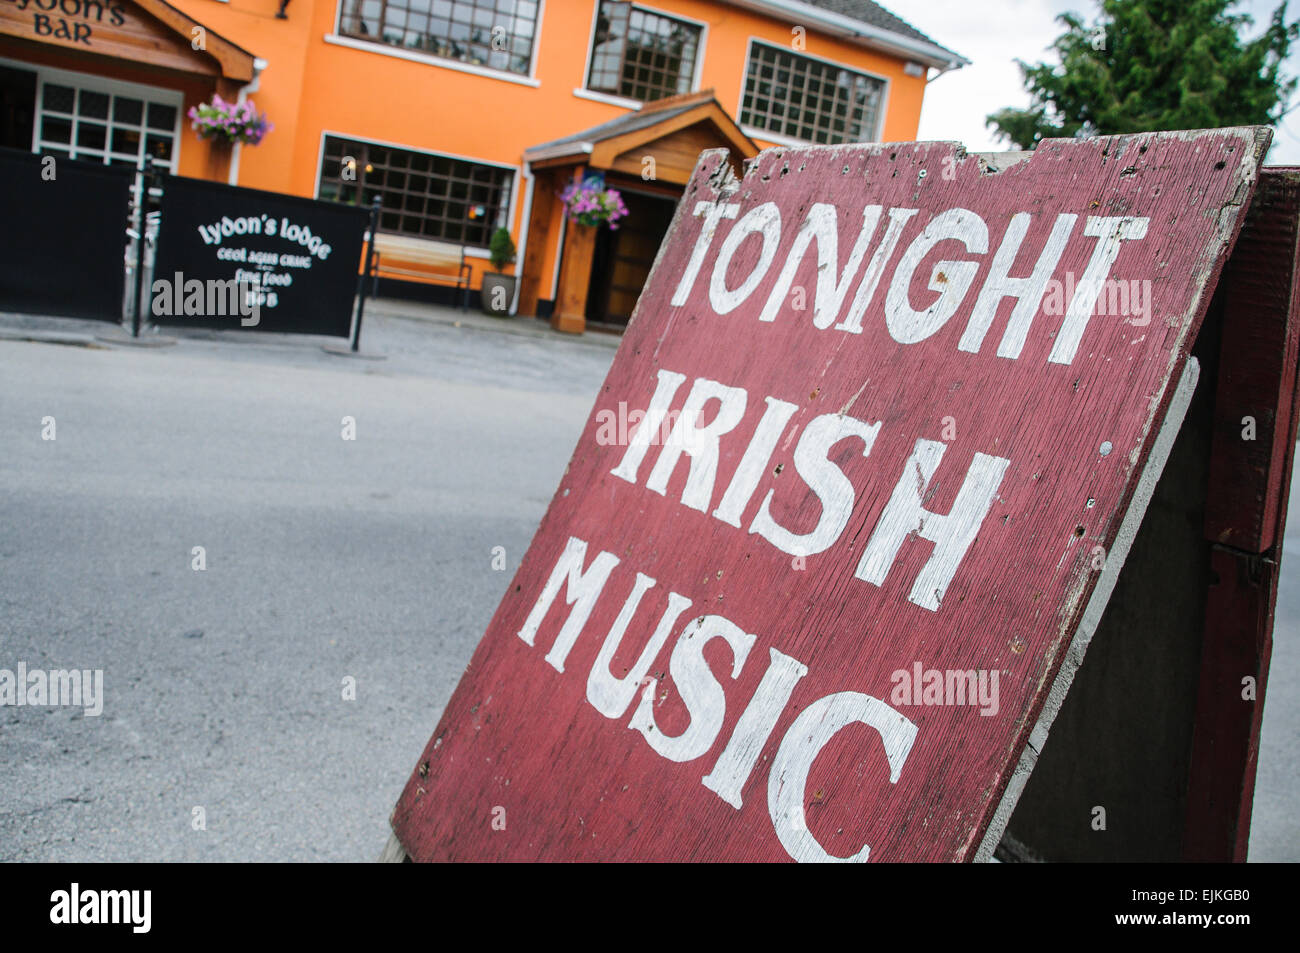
x=640 y=54
x=809 y=99
x=422 y=194
x=496 y=34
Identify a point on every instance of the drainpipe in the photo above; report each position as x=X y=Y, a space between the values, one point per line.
x=259 y=64
x=525 y=225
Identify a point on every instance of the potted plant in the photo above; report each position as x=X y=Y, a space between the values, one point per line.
x=229 y=123
x=498 y=289
x=590 y=203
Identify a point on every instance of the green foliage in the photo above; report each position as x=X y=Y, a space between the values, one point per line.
x=1153 y=65
x=501 y=248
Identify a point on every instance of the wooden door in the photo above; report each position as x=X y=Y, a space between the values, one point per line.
x=624 y=256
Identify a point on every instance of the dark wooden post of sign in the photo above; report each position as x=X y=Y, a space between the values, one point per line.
x=913 y=509
x=1252 y=454
x=142 y=226
x=366 y=272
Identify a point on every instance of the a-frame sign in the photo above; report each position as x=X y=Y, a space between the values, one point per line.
x=873 y=456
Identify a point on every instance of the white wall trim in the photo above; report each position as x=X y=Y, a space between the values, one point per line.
x=632 y=104
x=521 y=247
x=756 y=133
x=382 y=49
x=532 y=56
x=561 y=149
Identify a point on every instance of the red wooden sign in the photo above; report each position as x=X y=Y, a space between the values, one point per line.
x=846 y=510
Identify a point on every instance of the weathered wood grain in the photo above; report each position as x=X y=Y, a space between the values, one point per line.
x=534 y=757
x=1253 y=453
x=120 y=28
x=1260 y=347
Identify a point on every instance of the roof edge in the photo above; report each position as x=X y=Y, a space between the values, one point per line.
x=931 y=54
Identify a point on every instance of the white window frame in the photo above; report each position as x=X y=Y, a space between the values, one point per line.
x=337 y=38
x=756 y=132
x=471 y=251
x=600 y=96
x=102 y=84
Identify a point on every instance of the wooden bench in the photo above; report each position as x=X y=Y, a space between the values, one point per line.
x=399 y=256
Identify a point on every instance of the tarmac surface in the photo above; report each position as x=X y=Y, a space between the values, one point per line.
x=327 y=560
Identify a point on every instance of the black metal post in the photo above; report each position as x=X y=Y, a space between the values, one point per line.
x=142 y=225
x=361 y=285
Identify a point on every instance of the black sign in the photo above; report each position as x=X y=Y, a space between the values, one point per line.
x=231 y=257
x=62 y=236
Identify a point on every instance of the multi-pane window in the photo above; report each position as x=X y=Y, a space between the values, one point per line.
x=640 y=54
x=422 y=194
x=107 y=127
x=806 y=98
x=497 y=34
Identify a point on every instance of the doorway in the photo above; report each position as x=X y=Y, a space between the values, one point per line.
x=622 y=258
x=17 y=108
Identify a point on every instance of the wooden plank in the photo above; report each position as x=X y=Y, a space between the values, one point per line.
x=880 y=474
x=575 y=278
x=674 y=155
x=393 y=852
x=545 y=189
x=1260 y=348
x=1257 y=398
x=1238 y=646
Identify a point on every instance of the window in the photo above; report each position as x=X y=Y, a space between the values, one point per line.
x=642 y=55
x=497 y=34
x=422 y=194
x=809 y=99
x=105 y=126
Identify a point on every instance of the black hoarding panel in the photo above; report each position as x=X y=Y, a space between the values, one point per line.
x=246 y=259
x=62 y=236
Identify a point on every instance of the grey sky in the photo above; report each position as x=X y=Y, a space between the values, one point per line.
x=994 y=33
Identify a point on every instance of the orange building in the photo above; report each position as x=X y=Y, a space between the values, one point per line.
x=465 y=116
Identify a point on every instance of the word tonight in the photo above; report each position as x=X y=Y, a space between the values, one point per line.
x=950 y=280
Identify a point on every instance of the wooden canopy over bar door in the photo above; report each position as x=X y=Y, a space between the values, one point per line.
x=148 y=32
x=658 y=144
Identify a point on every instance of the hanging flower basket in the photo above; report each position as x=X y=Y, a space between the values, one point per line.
x=229 y=122
x=590 y=203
